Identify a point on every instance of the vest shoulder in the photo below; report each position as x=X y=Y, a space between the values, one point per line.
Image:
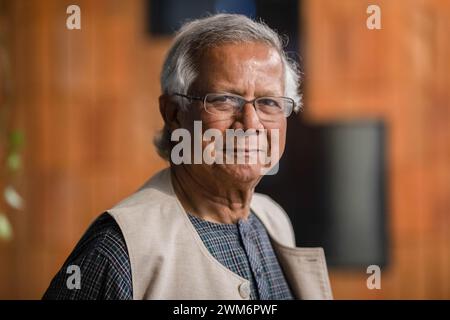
x=144 y=196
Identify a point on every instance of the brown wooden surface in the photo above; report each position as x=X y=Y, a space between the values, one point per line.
x=399 y=74
x=87 y=101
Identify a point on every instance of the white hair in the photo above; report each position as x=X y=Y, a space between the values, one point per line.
x=180 y=66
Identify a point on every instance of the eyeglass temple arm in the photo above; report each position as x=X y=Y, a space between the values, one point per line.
x=188 y=97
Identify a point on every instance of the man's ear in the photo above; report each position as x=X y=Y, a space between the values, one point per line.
x=169 y=111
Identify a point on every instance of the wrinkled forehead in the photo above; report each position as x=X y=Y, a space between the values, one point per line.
x=243 y=66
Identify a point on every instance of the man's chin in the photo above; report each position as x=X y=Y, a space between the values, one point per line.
x=241 y=172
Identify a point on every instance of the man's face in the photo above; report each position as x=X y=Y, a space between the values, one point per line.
x=250 y=70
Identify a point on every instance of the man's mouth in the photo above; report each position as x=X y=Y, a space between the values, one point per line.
x=242 y=150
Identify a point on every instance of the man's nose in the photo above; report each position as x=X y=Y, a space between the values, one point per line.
x=249 y=117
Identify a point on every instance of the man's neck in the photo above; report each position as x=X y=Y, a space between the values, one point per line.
x=214 y=201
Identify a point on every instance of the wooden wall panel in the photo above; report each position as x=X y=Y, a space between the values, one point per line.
x=398 y=74
x=87 y=100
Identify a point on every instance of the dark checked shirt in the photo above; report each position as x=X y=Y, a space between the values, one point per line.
x=102 y=256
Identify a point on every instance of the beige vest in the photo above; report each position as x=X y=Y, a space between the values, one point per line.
x=169 y=260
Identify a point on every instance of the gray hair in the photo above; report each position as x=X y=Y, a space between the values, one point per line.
x=180 y=66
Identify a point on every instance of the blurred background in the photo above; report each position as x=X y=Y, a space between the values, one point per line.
x=366 y=173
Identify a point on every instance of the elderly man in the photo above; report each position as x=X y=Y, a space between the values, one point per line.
x=197 y=230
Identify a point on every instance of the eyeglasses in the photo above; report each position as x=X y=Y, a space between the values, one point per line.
x=228 y=104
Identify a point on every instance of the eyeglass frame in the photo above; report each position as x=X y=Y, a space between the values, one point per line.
x=203 y=99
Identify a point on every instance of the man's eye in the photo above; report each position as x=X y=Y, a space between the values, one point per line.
x=269 y=102
x=222 y=99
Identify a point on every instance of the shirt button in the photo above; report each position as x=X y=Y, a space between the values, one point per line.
x=244 y=290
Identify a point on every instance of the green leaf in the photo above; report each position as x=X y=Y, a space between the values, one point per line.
x=5 y=227
x=16 y=139
x=14 y=161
